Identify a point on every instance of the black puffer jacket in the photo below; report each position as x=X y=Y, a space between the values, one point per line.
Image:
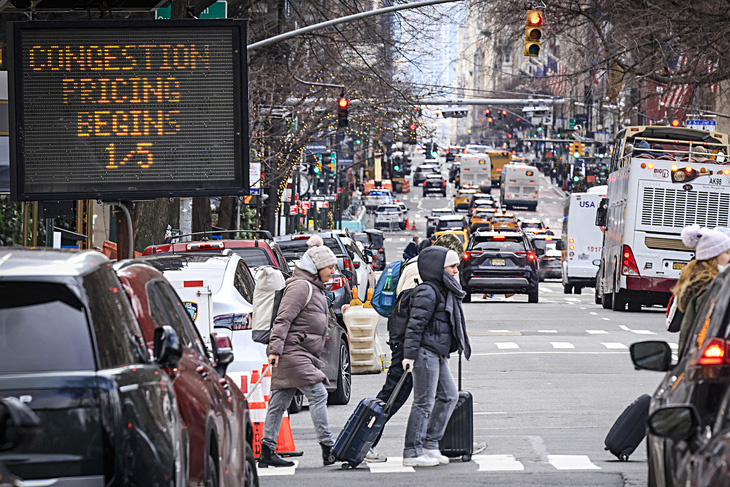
x=429 y=326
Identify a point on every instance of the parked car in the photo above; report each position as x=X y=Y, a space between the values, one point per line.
x=433 y=218
x=254 y=251
x=389 y=217
x=211 y=404
x=19 y=425
x=374 y=242
x=700 y=377
x=71 y=346
x=434 y=183
x=500 y=263
x=419 y=175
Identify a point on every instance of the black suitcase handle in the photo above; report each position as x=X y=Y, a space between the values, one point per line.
x=397 y=389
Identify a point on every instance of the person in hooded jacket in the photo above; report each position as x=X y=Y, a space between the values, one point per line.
x=297 y=340
x=712 y=254
x=436 y=328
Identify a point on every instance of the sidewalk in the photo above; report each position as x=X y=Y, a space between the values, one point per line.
x=556 y=188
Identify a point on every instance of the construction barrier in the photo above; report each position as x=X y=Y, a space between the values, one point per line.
x=406 y=187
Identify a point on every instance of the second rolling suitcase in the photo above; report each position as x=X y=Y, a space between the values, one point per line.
x=629 y=429
x=363 y=427
x=458 y=440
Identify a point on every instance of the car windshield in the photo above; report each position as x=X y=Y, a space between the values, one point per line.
x=542 y=244
x=506 y=245
x=483 y=214
x=43 y=328
x=254 y=256
x=532 y=225
x=450 y=224
x=504 y=219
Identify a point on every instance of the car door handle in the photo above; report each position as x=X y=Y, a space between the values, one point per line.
x=201 y=370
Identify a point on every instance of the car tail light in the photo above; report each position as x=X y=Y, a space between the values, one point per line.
x=714 y=353
x=499 y=237
x=335 y=283
x=628 y=267
x=546 y=258
x=529 y=255
x=205 y=246
x=347 y=264
x=469 y=255
x=233 y=321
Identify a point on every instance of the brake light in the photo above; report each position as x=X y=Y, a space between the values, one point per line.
x=468 y=255
x=205 y=246
x=233 y=321
x=335 y=283
x=714 y=353
x=628 y=267
x=529 y=255
x=347 y=264
x=499 y=237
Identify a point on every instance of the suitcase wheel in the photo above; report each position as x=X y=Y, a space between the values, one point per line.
x=624 y=457
x=347 y=465
x=466 y=458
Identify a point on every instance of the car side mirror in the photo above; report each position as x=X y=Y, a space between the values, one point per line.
x=18 y=424
x=539 y=251
x=651 y=355
x=222 y=352
x=356 y=264
x=675 y=422
x=559 y=245
x=167 y=347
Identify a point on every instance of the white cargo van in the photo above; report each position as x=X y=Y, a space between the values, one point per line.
x=582 y=240
x=476 y=171
x=519 y=186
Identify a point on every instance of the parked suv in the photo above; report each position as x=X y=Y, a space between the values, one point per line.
x=211 y=404
x=72 y=348
x=500 y=263
x=254 y=251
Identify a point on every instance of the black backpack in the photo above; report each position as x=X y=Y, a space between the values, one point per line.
x=398 y=318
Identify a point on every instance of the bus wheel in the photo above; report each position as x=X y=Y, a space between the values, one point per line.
x=634 y=306
x=577 y=289
x=618 y=302
x=567 y=288
x=607 y=301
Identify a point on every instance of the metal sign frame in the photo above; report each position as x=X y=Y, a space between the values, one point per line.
x=218 y=144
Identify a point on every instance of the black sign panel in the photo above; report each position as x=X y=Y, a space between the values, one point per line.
x=128 y=109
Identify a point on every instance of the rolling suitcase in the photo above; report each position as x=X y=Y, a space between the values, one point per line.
x=629 y=429
x=458 y=440
x=363 y=427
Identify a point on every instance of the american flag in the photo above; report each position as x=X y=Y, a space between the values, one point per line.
x=678 y=95
x=555 y=70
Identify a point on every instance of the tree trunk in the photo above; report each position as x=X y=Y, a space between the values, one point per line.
x=150 y=221
x=227 y=213
x=202 y=220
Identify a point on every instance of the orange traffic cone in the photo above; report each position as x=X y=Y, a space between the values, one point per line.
x=257 y=413
x=408 y=223
x=413 y=227
x=285 y=442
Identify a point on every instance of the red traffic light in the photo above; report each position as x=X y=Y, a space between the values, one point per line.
x=343 y=102
x=504 y=113
x=534 y=17
x=675 y=123
x=487 y=111
x=414 y=126
x=490 y=120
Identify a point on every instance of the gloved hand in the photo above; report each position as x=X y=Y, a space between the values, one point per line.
x=408 y=364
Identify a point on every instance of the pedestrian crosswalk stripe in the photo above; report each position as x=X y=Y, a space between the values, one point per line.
x=562 y=345
x=506 y=345
x=497 y=463
x=613 y=345
x=274 y=471
x=393 y=465
x=547 y=331
x=597 y=332
x=572 y=462
x=594 y=313
x=572 y=299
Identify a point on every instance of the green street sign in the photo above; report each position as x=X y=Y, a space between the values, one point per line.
x=219 y=10
x=571 y=123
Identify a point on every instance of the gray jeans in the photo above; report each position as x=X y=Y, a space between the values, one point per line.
x=281 y=399
x=434 y=399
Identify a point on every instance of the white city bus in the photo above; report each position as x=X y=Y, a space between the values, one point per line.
x=518 y=186
x=661 y=180
x=476 y=171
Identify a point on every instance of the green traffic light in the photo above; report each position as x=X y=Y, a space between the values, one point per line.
x=358 y=141
x=434 y=154
x=316 y=170
x=601 y=156
x=396 y=168
x=576 y=178
x=576 y=154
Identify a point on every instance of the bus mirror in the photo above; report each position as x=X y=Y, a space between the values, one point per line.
x=601 y=213
x=597 y=262
x=559 y=245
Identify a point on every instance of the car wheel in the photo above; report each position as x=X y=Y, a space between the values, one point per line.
x=251 y=475
x=211 y=472
x=297 y=403
x=342 y=394
x=467 y=296
x=607 y=301
x=567 y=288
x=618 y=302
x=533 y=296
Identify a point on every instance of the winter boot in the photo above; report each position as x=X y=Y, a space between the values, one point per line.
x=269 y=458
x=328 y=457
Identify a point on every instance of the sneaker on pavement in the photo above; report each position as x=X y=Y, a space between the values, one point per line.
x=422 y=461
x=374 y=456
x=443 y=460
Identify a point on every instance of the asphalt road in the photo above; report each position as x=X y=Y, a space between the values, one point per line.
x=548 y=379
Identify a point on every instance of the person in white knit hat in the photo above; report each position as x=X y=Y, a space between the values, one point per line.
x=297 y=340
x=712 y=254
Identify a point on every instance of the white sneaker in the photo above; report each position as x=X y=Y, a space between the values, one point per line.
x=374 y=456
x=422 y=461
x=443 y=460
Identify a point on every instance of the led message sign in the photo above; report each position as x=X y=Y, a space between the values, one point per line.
x=128 y=109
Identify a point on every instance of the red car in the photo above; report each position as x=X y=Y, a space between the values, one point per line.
x=212 y=406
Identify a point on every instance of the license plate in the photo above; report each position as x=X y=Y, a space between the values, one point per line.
x=498 y=262
x=679 y=265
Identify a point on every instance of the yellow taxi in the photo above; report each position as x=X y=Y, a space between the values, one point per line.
x=504 y=221
x=462 y=200
x=481 y=217
x=462 y=235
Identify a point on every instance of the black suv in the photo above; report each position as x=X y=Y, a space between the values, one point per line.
x=434 y=183
x=72 y=350
x=500 y=263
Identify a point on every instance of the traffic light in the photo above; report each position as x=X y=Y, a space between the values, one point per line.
x=675 y=123
x=574 y=149
x=490 y=121
x=417 y=111
x=317 y=167
x=581 y=149
x=487 y=112
x=533 y=33
x=342 y=105
x=412 y=134
x=503 y=114
x=329 y=162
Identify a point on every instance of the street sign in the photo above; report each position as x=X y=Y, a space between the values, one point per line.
x=571 y=123
x=293 y=210
x=254 y=177
x=707 y=125
x=326 y=204
x=305 y=205
x=219 y=10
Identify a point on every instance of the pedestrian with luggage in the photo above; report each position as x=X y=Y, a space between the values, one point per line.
x=297 y=340
x=436 y=327
x=411 y=249
x=712 y=254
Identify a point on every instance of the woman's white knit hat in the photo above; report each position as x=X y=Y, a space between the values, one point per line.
x=321 y=255
x=452 y=258
x=708 y=243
